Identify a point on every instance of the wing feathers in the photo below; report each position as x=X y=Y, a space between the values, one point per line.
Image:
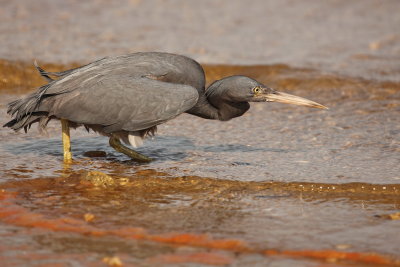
x=126 y=103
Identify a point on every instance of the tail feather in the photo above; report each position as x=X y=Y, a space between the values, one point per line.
x=25 y=111
x=47 y=74
x=26 y=122
x=42 y=72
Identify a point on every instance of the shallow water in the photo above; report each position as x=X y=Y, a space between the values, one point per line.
x=357 y=140
x=300 y=180
x=280 y=186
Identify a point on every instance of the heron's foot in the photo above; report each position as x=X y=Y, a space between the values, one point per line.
x=136 y=156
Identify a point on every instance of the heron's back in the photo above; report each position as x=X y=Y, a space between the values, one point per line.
x=164 y=67
x=129 y=92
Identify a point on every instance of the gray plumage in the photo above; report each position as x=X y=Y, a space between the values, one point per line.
x=132 y=94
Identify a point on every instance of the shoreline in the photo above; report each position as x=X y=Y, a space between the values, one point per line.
x=23 y=74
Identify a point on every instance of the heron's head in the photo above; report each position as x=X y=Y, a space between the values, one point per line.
x=244 y=89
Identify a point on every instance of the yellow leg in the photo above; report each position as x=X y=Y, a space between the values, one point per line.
x=136 y=156
x=66 y=140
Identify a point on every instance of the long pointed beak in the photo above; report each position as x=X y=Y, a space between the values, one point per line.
x=291 y=99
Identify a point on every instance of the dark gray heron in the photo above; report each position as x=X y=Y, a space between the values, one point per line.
x=126 y=97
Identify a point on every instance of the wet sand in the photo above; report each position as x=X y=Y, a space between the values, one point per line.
x=280 y=186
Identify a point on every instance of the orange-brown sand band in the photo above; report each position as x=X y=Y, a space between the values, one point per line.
x=14 y=214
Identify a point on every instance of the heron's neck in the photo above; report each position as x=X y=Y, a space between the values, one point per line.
x=204 y=109
x=215 y=105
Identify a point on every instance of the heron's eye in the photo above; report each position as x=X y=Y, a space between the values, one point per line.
x=257 y=89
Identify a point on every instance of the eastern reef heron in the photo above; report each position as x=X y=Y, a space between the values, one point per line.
x=125 y=98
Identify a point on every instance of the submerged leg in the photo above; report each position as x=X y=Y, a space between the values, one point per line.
x=116 y=144
x=66 y=140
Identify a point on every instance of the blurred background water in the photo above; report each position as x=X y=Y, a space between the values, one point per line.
x=357 y=38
